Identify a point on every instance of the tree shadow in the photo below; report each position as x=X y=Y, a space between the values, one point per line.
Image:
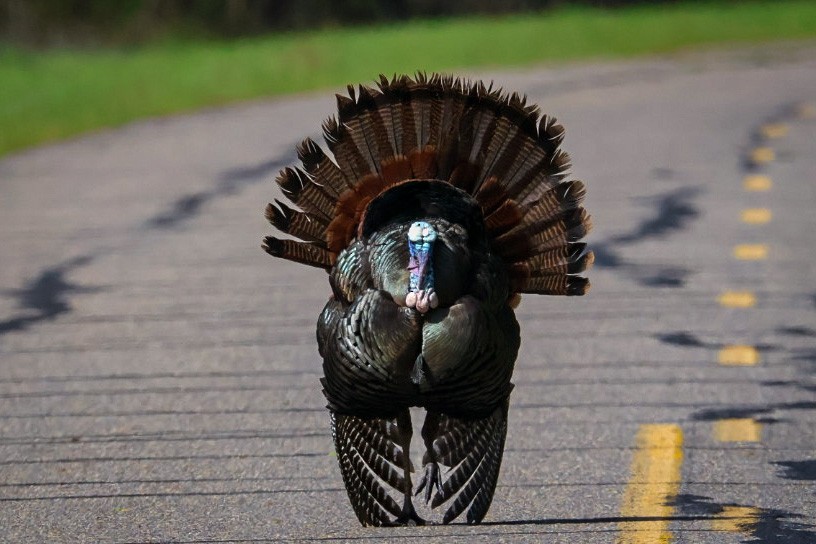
x=188 y=206
x=673 y=212
x=798 y=470
x=47 y=295
x=687 y=339
x=757 y=525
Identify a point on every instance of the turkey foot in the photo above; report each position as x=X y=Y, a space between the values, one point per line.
x=430 y=480
x=408 y=517
x=422 y=300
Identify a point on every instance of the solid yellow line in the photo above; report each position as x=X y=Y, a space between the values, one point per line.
x=737 y=430
x=737 y=299
x=756 y=216
x=738 y=355
x=774 y=130
x=751 y=252
x=654 y=483
x=762 y=155
x=757 y=182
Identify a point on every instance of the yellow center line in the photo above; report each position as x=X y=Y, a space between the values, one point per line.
x=737 y=299
x=774 y=130
x=737 y=430
x=654 y=483
x=756 y=216
x=751 y=252
x=736 y=519
x=762 y=155
x=756 y=183
x=806 y=111
x=738 y=355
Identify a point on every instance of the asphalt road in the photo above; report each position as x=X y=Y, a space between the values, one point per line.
x=159 y=374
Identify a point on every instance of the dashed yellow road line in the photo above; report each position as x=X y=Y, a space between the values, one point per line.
x=751 y=252
x=655 y=481
x=806 y=111
x=736 y=519
x=738 y=355
x=737 y=299
x=773 y=131
x=756 y=216
x=762 y=155
x=737 y=430
x=757 y=183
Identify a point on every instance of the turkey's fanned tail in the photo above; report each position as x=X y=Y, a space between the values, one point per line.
x=489 y=144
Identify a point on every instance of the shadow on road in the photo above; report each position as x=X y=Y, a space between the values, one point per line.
x=230 y=182
x=673 y=212
x=757 y=525
x=798 y=470
x=47 y=295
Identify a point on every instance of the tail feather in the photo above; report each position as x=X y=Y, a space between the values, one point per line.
x=507 y=216
x=492 y=145
x=561 y=198
x=299 y=252
x=390 y=113
x=363 y=124
x=553 y=272
x=295 y=223
x=319 y=166
x=348 y=157
x=557 y=285
x=570 y=259
x=306 y=194
x=406 y=115
x=423 y=162
x=540 y=236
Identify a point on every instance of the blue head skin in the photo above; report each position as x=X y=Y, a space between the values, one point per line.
x=421 y=295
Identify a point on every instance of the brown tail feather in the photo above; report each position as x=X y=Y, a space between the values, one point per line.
x=558 y=285
x=296 y=223
x=553 y=272
x=319 y=166
x=307 y=194
x=492 y=145
x=569 y=259
x=542 y=235
x=300 y=252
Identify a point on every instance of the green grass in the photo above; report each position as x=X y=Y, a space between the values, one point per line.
x=54 y=94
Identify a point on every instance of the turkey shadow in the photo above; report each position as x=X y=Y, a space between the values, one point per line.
x=598 y=520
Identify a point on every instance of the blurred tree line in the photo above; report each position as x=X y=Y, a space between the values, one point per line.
x=88 y=22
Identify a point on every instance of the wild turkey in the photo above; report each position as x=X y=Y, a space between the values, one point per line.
x=445 y=200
